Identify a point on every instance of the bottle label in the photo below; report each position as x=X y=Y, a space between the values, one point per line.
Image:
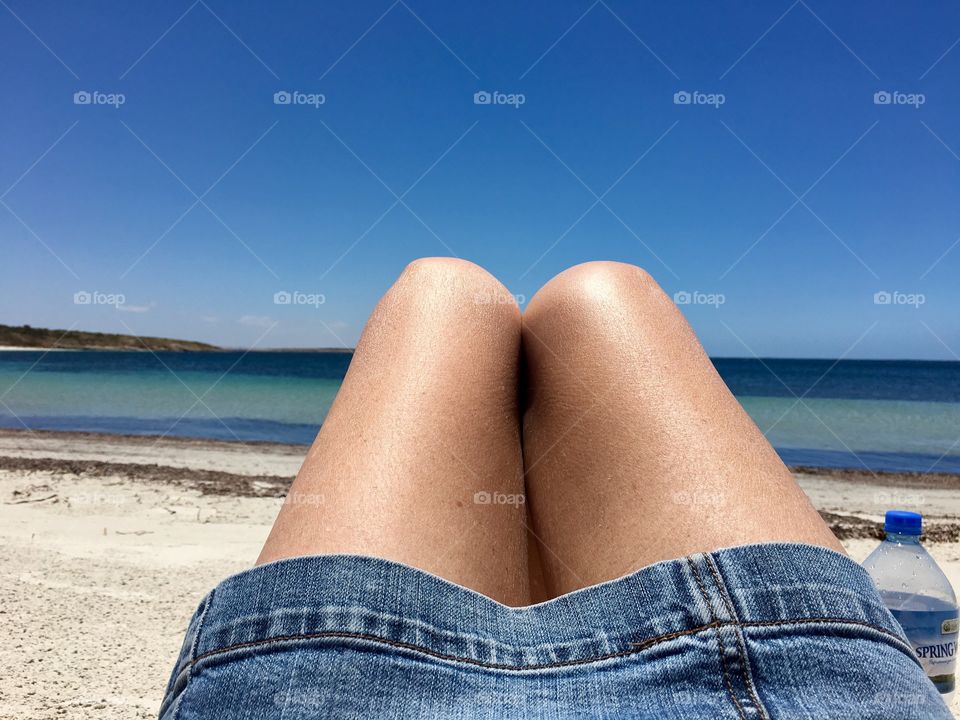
x=933 y=635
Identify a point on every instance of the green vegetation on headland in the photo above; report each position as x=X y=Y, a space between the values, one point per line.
x=26 y=336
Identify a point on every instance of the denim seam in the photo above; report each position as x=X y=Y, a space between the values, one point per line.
x=336 y=634
x=746 y=670
x=193 y=653
x=717 y=631
x=636 y=647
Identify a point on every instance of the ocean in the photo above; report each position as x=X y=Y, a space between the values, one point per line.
x=875 y=415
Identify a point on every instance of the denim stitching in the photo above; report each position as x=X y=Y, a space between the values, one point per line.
x=744 y=658
x=416 y=648
x=720 y=648
x=635 y=647
x=722 y=587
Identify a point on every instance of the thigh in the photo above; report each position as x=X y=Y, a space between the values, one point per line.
x=635 y=450
x=419 y=458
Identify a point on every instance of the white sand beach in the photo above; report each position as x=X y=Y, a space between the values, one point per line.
x=110 y=542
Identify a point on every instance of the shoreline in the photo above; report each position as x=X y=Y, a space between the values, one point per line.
x=898 y=478
x=749 y=358
x=121 y=348
x=146 y=439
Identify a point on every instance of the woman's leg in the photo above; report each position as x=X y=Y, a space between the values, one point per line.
x=419 y=458
x=635 y=450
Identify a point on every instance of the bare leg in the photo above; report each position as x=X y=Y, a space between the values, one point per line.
x=425 y=420
x=539 y=591
x=635 y=450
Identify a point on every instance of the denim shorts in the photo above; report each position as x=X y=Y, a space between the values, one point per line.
x=755 y=631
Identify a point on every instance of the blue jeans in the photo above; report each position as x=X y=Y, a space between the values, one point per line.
x=756 y=631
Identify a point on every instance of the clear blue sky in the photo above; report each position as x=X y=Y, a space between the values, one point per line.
x=304 y=198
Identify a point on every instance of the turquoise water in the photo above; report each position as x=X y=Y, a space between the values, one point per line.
x=279 y=397
x=892 y=426
x=876 y=415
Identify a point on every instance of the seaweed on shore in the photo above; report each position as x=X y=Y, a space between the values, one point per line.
x=206 y=482
x=849 y=527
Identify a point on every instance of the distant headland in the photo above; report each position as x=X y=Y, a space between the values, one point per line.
x=25 y=336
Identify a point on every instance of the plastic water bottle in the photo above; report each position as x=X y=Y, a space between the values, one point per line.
x=919 y=595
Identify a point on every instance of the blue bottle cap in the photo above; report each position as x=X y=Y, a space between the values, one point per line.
x=903 y=522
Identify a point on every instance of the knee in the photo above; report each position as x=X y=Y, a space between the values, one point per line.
x=452 y=285
x=602 y=277
x=600 y=287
